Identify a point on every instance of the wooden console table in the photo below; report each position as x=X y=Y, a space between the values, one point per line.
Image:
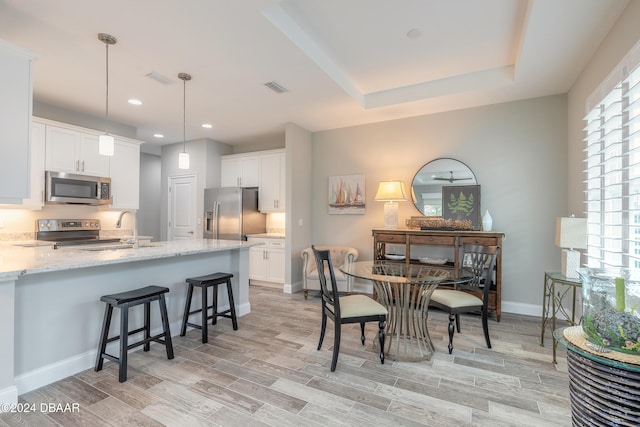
x=454 y=239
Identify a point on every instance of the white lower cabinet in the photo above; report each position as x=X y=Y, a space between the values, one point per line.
x=266 y=263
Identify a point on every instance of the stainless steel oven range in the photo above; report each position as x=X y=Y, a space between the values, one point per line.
x=71 y=232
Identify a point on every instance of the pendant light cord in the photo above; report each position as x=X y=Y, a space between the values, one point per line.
x=107 y=39
x=184 y=116
x=106 y=116
x=184 y=77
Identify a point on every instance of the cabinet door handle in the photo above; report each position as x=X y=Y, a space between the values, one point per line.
x=77 y=165
x=83 y=166
x=239 y=181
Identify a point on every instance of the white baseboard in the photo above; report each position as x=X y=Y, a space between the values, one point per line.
x=241 y=310
x=51 y=373
x=507 y=306
x=64 y=368
x=521 y=308
x=56 y=371
x=291 y=288
x=9 y=395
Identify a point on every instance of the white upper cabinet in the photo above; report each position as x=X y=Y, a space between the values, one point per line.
x=15 y=123
x=36 y=198
x=125 y=175
x=73 y=151
x=272 y=183
x=239 y=171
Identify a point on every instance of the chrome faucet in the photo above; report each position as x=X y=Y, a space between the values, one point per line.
x=135 y=226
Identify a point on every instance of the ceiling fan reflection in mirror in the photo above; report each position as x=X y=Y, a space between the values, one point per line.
x=451 y=179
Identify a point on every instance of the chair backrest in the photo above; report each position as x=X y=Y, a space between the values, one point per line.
x=478 y=262
x=339 y=254
x=328 y=290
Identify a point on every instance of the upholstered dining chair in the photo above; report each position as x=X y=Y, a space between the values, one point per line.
x=478 y=262
x=355 y=308
x=341 y=255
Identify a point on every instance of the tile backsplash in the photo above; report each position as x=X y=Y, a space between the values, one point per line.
x=275 y=223
x=20 y=224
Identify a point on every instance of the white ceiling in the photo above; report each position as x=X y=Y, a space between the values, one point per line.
x=344 y=62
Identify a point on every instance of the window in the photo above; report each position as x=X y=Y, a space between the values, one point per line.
x=613 y=169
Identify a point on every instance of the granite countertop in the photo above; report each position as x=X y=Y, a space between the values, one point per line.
x=268 y=235
x=18 y=258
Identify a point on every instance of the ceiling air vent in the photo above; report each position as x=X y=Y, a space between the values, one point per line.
x=276 y=87
x=159 y=77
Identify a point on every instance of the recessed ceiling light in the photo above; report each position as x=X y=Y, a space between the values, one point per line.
x=414 y=33
x=207 y=125
x=133 y=101
x=158 y=135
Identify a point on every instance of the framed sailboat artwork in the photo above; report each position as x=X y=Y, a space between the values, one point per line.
x=346 y=195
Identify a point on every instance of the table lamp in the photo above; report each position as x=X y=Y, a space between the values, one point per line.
x=390 y=192
x=571 y=234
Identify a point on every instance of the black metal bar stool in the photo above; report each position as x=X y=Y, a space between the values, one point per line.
x=204 y=282
x=123 y=301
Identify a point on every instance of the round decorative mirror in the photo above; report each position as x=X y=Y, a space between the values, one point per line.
x=426 y=188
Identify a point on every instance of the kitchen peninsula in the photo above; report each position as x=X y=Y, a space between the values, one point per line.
x=50 y=309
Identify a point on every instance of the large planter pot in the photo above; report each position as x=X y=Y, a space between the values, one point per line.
x=611 y=308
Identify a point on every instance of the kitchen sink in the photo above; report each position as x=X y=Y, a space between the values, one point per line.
x=121 y=246
x=106 y=248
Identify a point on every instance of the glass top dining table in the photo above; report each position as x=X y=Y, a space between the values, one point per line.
x=405 y=290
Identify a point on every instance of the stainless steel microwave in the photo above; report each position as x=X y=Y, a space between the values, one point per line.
x=68 y=188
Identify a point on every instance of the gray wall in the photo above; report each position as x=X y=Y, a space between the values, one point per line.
x=517 y=151
x=150 y=192
x=47 y=111
x=298 y=198
x=204 y=159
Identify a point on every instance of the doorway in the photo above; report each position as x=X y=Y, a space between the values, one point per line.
x=182 y=208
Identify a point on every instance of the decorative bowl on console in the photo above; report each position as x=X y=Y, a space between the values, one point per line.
x=438 y=223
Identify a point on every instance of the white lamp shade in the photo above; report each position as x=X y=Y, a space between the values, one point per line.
x=106 y=145
x=571 y=233
x=183 y=160
x=390 y=191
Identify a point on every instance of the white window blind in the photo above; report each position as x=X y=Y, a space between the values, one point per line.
x=613 y=173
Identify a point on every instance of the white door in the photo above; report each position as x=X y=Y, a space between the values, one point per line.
x=182 y=207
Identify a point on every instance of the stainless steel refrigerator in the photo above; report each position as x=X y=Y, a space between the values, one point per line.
x=231 y=213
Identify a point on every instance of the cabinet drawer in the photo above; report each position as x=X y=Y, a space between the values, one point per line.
x=484 y=241
x=391 y=238
x=276 y=244
x=432 y=240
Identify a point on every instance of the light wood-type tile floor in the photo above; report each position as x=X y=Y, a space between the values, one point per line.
x=269 y=373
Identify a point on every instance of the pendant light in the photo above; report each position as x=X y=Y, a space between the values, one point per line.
x=106 y=142
x=183 y=158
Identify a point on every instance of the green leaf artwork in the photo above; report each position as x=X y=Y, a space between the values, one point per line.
x=461 y=204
